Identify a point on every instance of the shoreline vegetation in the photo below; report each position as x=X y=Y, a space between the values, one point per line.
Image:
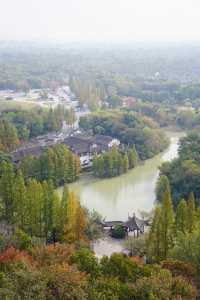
x=88 y=173
x=114 y=163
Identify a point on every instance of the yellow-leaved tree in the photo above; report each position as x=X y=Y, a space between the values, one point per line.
x=76 y=220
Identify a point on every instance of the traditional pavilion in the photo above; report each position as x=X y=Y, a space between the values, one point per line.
x=133 y=224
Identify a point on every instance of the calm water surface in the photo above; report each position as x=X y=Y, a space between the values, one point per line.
x=134 y=191
x=117 y=197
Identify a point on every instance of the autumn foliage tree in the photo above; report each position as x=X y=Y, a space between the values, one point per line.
x=75 y=227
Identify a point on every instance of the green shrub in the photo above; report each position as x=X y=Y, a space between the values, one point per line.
x=22 y=240
x=119 y=232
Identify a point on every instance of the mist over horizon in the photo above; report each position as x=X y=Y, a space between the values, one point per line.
x=102 y=22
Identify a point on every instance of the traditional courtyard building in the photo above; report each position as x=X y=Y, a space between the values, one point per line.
x=88 y=146
x=133 y=224
x=83 y=146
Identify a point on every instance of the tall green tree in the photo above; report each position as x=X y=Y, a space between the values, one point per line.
x=133 y=157
x=20 y=201
x=125 y=163
x=161 y=186
x=167 y=221
x=182 y=217
x=154 y=241
x=191 y=212
x=56 y=217
x=64 y=206
x=7 y=190
x=100 y=166
x=109 y=164
x=8 y=136
x=35 y=208
x=48 y=190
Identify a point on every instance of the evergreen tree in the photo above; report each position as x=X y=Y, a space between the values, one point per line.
x=133 y=157
x=125 y=163
x=100 y=166
x=58 y=164
x=77 y=166
x=95 y=166
x=20 y=201
x=8 y=136
x=115 y=155
x=50 y=165
x=181 y=216
x=109 y=163
x=154 y=242
x=48 y=191
x=120 y=164
x=80 y=223
x=70 y=228
x=7 y=190
x=191 y=212
x=56 y=217
x=71 y=168
x=161 y=186
x=35 y=208
x=167 y=221
x=64 y=206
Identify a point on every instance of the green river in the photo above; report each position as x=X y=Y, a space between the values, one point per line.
x=130 y=193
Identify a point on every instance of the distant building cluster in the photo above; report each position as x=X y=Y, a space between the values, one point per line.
x=43 y=97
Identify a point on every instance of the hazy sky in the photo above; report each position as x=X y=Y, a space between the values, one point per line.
x=100 y=20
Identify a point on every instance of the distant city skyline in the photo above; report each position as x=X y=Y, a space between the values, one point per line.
x=100 y=20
